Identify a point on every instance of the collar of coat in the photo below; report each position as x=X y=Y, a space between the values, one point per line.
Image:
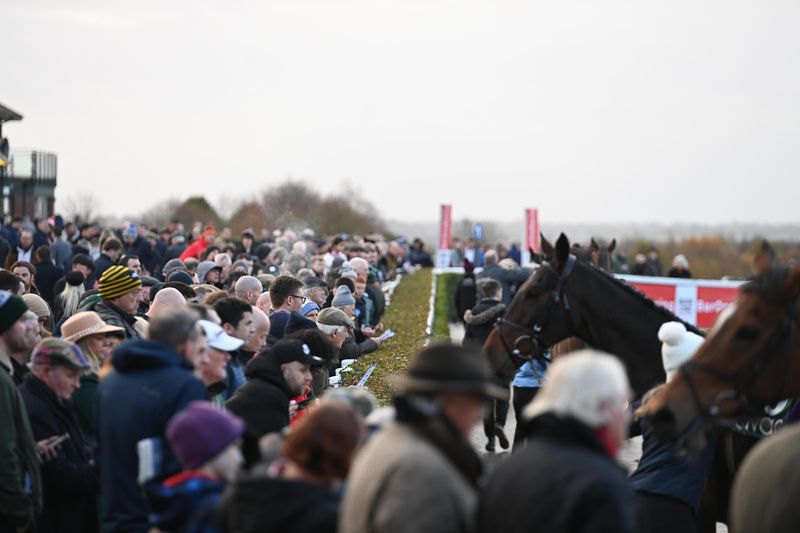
x=485 y=317
x=565 y=430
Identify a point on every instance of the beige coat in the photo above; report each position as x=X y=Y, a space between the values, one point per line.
x=402 y=483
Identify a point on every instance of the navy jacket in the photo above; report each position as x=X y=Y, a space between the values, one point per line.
x=69 y=481
x=147 y=256
x=150 y=383
x=506 y=278
x=47 y=274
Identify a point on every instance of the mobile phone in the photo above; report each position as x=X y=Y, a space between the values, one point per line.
x=303 y=404
x=60 y=440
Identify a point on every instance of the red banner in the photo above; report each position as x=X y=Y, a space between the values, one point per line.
x=711 y=301
x=532 y=230
x=445 y=227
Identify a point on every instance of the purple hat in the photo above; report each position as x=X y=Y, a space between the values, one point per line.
x=200 y=432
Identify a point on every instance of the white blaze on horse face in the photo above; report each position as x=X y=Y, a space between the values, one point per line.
x=722 y=318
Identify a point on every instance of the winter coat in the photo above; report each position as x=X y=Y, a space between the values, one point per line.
x=277 y=328
x=415 y=477
x=62 y=254
x=194 y=249
x=101 y=264
x=185 y=502
x=263 y=403
x=47 y=274
x=40 y=239
x=114 y=316
x=352 y=348
x=259 y=503
x=149 y=384
x=466 y=295
x=506 y=278
x=562 y=481
x=142 y=249
x=85 y=401
x=69 y=482
x=21 y=494
x=480 y=320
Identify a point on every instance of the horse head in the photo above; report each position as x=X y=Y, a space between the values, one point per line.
x=537 y=316
x=750 y=359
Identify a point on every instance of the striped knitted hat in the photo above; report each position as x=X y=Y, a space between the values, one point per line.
x=117 y=281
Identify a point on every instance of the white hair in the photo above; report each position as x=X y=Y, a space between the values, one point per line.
x=329 y=329
x=582 y=385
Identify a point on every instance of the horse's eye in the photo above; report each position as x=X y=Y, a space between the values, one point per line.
x=748 y=333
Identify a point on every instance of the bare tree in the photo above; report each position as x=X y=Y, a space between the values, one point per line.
x=80 y=207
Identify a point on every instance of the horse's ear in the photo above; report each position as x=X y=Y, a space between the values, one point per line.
x=562 y=250
x=793 y=284
x=547 y=248
x=612 y=245
x=593 y=245
x=536 y=258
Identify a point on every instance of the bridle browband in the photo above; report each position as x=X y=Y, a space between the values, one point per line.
x=709 y=414
x=533 y=334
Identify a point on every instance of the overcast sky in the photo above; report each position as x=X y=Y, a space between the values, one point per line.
x=593 y=111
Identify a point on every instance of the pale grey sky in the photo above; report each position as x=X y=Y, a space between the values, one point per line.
x=593 y=111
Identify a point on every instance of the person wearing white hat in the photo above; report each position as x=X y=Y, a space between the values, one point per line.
x=213 y=373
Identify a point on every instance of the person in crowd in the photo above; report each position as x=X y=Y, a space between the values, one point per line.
x=151 y=381
x=97 y=340
x=249 y=245
x=466 y=292
x=527 y=381
x=654 y=261
x=80 y=263
x=119 y=292
x=111 y=251
x=473 y=252
x=205 y=441
x=139 y=248
x=669 y=485
x=11 y=283
x=264 y=302
x=171 y=266
x=27 y=273
x=507 y=278
x=315 y=290
x=133 y=262
x=66 y=303
x=21 y=497
x=420 y=256
x=236 y=318
x=480 y=322
x=273 y=378
x=680 y=267
x=286 y=297
x=356 y=344
x=425 y=456
x=21 y=353
x=578 y=421
x=248 y=288
x=309 y=310
x=22 y=250
x=165 y=300
x=336 y=326
x=214 y=373
x=323 y=347
x=148 y=282
x=44 y=316
x=41 y=235
x=61 y=250
x=209 y=272
x=177 y=245
x=200 y=245
x=300 y=492
x=69 y=481
x=47 y=274
x=258 y=342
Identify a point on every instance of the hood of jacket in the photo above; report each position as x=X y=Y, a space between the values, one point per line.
x=485 y=312
x=264 y=367
x=204 y=268
x=262 y=503
x=143 y=354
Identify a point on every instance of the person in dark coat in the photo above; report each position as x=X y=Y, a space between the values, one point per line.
x=480 y=323
x=137 y=245
x=466 y=291
x=110 y=254
x=151 y=381
x=273 y=377
x=299 y=493
x=119 y=292
x=566 y=479
x=506 y=277
x=47 y=274
x=70 y=484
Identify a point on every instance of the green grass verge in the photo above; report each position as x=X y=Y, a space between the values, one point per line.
x=444 y=305
x=407 y=316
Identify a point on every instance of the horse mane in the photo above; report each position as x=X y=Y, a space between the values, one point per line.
x=646 y=301
x=769 y=285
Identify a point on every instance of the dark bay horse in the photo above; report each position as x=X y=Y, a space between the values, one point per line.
x=565 y=298
x=749 y=360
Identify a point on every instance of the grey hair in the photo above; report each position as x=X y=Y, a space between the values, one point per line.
x=175 y=326
x=581 y=385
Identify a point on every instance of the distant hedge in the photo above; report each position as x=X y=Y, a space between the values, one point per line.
x=407 y=316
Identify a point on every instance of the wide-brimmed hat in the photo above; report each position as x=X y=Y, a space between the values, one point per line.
x=85 y=324
x=444 y=367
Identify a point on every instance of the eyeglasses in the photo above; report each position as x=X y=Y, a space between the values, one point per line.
x=302 y=298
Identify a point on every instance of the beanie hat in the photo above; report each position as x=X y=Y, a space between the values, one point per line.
x=180 y=276
x=308 y=307
x=201 y=432
x=74 y=278
x=12 y=307
x=117 y=281
x=343 y=297
x=83 y=259
x=130 y=231
x=678 y=346
x=36 y=304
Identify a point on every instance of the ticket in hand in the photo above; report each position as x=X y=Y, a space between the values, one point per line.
x=388 y=334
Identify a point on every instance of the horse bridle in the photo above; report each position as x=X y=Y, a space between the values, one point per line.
x=533 y=334
x=709 y=414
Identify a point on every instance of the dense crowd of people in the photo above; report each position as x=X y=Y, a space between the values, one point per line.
x=183 y=380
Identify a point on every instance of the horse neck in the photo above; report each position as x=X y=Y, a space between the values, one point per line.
x=617 y=321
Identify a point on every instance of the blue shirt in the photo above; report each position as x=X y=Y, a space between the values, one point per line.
x=525 y=378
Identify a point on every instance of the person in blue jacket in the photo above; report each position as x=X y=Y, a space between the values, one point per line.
x=151 y=381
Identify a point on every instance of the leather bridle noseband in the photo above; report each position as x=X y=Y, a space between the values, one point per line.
x=709 y=414
x=533 y=334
